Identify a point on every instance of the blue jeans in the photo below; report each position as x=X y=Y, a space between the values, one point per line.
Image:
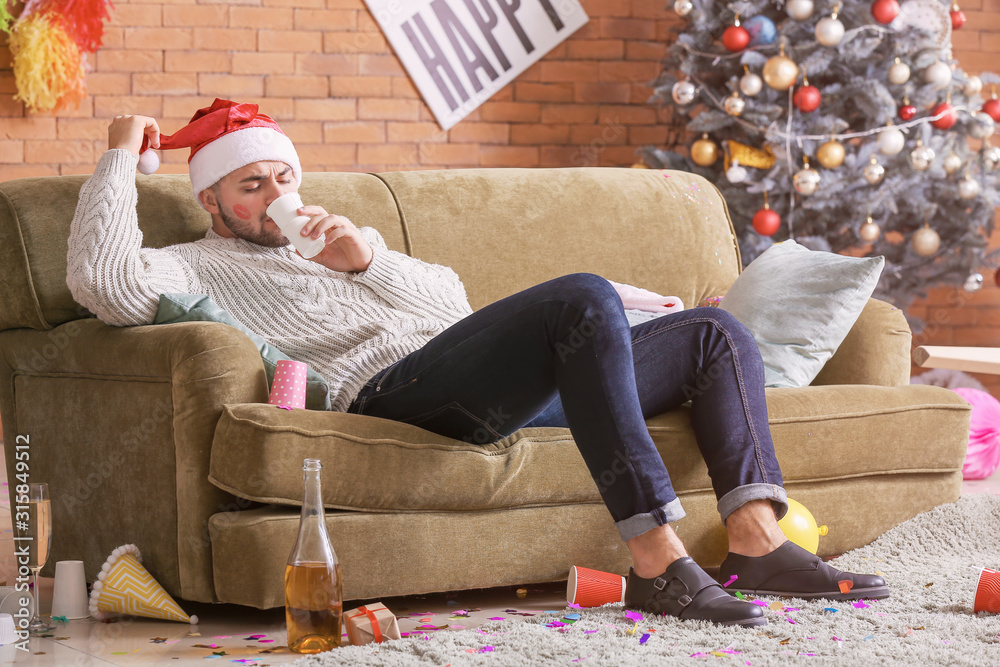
x=562 y=354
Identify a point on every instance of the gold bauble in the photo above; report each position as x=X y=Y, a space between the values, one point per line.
x=704 y=152
x=925 y=241
x=870 y=231
x=831 y=154
x=780 y=72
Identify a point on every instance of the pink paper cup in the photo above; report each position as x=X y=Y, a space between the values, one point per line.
x=593 y=588
x=289 y=386
x=988 y=592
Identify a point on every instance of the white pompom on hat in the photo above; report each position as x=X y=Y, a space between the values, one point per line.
x=223 y=138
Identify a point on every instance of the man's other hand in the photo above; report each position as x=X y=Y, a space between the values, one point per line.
x=345 y=249
x=127 y=132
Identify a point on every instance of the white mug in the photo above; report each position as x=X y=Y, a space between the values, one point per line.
x=283 y=211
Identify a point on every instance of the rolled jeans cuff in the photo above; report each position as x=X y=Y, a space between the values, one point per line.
x=744 y=494
x=636 y=525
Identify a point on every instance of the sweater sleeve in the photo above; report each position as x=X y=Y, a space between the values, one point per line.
x=108 y=271
x=412 y=285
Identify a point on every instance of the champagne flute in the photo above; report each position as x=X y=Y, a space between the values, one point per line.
x=37 y=532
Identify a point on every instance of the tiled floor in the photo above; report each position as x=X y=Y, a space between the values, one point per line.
x=228 y=628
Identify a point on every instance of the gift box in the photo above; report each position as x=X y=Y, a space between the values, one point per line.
x=371 y=623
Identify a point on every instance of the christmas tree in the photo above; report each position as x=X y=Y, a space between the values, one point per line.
x=846 y=126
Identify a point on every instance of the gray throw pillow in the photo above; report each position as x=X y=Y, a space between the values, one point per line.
x=199 y=307
x=800 y=304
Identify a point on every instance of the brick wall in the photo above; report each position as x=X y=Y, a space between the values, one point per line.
x=323 y=70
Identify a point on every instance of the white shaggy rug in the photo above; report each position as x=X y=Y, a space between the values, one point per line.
x=931 y=563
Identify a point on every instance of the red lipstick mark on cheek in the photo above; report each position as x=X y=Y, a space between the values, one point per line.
x=241 y=212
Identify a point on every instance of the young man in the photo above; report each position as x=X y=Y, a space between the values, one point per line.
x=397 y=339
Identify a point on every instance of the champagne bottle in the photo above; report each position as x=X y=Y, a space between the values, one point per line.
x=314 y=591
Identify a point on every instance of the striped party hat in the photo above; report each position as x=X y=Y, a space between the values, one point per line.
x=124 y=586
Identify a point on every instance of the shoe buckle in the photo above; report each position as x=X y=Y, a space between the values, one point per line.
x=659 y=583
x=684 y=600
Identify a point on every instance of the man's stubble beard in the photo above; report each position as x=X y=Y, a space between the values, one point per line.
x=248 y=231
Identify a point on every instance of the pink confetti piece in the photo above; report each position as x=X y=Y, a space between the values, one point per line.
x=791 y=620
x=587 y=632
x=633 y=615
x=860 y=604
x=573 y=605
x=836 y=639
x=792 y=609
x=759 y=603
x=496 y=618
x=284 y=407
x=486 y=649
x=265 y=641
x=458 y=627
x=731 y=580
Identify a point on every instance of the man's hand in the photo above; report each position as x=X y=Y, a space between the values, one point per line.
x=345 y=249
x=127 y=132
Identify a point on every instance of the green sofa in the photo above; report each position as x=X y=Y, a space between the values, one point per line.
x=160 y=435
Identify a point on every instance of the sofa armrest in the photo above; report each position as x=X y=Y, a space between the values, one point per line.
x=120 y=423
x=875 y=351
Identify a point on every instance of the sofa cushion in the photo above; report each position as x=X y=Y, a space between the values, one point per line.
x=820 y=433
x=800 y=304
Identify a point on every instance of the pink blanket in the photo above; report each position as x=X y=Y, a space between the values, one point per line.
x=636 y=298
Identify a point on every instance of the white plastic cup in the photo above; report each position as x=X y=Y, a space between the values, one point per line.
x=69 y=592
x=283 y=211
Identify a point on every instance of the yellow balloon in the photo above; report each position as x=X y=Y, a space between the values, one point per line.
x=800 y=527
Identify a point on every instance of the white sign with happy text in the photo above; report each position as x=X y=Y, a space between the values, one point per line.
x=460 y=52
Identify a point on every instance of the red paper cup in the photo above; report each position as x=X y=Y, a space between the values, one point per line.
x=289 y=386
x=988 y=592
x=592 y=588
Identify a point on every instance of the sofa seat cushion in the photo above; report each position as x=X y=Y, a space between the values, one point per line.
x=821 y=433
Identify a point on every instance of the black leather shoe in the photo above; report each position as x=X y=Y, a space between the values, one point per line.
x=791 y=571
x=685 y=591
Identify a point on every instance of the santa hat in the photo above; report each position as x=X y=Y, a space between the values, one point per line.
x=223 y=138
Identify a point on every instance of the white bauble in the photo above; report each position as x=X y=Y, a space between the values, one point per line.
x=921 y=157
x=938 y=75
x=874 y=172
x=800 y=10
x=991 y=158
x=968 y=188
x=982 y=125
x=734 y=105
x=952 y=163
x=972 y=86
x=925 y=241
x=899 y=74
x=806 y=181
x=891 y=141
x=829 y=31
x=974 y=282
x=683 y=92
x=736 y=173
x=683 y=7
x=751 y=84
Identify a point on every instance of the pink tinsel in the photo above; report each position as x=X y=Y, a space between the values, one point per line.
x=983 y=457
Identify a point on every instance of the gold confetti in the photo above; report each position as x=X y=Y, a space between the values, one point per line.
x=521 y=592
x=928 y=585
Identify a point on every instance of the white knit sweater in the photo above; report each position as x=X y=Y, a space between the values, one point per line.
x=346 y=326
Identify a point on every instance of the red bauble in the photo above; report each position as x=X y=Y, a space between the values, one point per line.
x=735 y=38
x=907 y=112
x=885 y=11
x=992 y=109
x=946 y=121
x=766 y=222
x=807 y=99
x=957 y=19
